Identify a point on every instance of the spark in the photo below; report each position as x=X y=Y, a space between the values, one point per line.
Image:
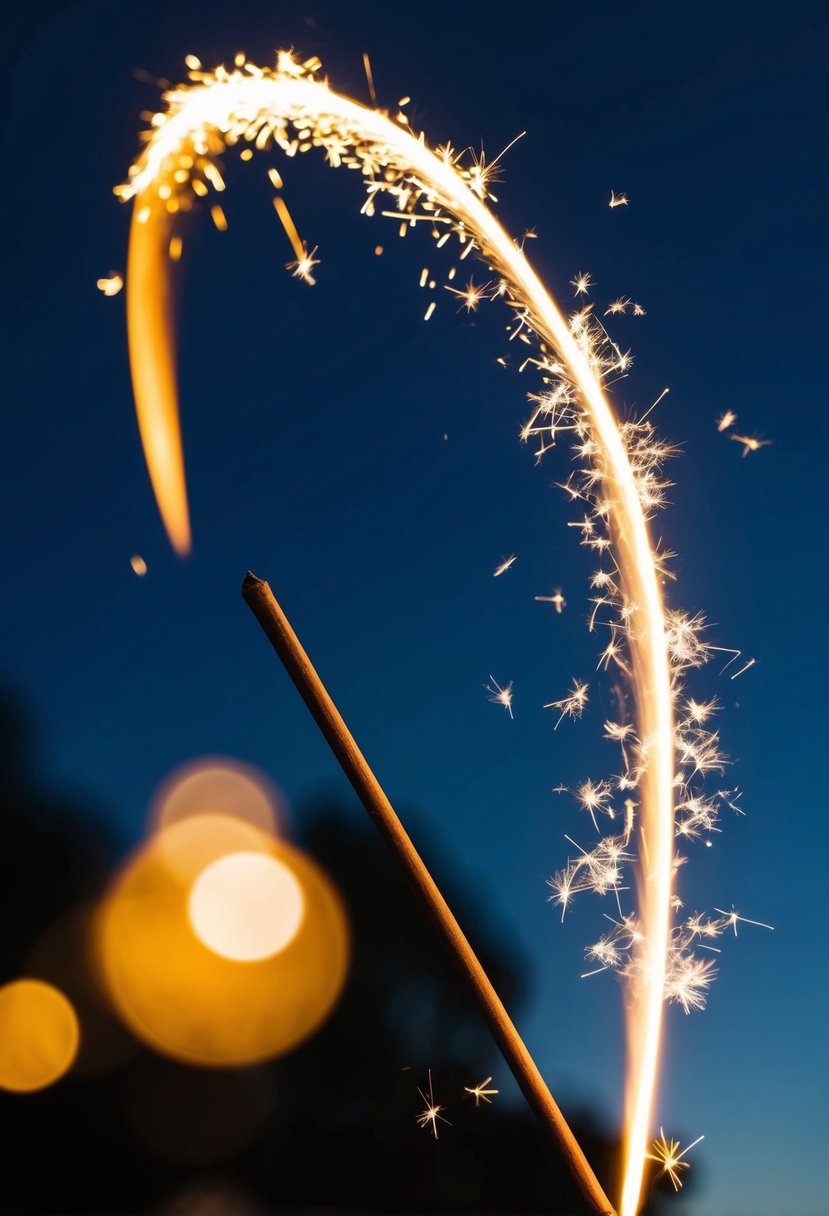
x=556 y=599
x=667 y=1153
x=582 y=283
x=504 y=566
x=726 y=420
x=110 y=286
x=573 y=705
x=638 y=310
x=617 y=307
x=430 y=1114
x=732 y=919
x=751 y=443
x=480 y=1092
x=369 y=78
x=618 y=200
x=499 y=695
x=302 y=267
x=138 y=564
x=470 y=297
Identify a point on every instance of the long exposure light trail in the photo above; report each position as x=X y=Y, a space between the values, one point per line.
x=291 y=108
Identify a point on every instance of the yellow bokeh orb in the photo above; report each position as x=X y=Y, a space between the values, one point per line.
x=246 y=906
x=221 y=945
x=39 y=1035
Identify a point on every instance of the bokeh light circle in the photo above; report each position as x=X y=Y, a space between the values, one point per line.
x=39 y=1035
x=246 y=906
x=182 y=997
x=215 y=785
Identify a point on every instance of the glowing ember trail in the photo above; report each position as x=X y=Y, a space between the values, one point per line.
x=291 y=109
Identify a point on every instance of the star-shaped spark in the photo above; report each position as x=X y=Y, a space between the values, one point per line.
x=618 y=200
x=751 y=443
x=480 y=1092
x=499 y=695
x=732 y=919
x=504 y=566
x=302 y=267
x=726 y=420
x=556 y=599
x=582 y=283
x=668 y=1154
x=573 y=705
x=430 y=1114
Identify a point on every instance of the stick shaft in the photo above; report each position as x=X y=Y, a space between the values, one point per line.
x=260 y=599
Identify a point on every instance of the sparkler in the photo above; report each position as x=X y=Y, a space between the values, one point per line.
x=619 y=478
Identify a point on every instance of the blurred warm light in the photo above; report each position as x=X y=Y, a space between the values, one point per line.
x=138 y=564
x=39 y=1035
x=217 y=786
x=191 y=1002
x=246 y=906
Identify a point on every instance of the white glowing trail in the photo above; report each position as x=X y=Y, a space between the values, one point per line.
x=228 y=106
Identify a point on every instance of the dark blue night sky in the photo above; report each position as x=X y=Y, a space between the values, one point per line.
x=368 y=465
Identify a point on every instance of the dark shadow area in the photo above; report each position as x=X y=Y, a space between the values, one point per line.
x=332 y=1126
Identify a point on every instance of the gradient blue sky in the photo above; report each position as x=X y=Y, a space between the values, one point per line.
x=314 y=424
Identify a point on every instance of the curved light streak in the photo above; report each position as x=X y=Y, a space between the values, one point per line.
x=222 y=107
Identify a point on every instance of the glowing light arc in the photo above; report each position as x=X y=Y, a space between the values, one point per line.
x=217 y=106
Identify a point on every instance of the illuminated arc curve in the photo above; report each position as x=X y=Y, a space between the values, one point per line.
x=216 y=106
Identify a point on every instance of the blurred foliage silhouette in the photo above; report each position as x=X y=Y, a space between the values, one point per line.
x=332 y=1125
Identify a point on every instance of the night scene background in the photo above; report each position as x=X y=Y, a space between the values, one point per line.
x=368 y=465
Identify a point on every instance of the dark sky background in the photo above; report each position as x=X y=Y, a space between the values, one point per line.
x=314 y=424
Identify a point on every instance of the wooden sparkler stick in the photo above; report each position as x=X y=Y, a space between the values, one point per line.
x=260 y=599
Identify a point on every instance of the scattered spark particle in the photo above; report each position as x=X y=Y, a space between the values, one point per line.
x=174 y=249
x=732 y=919
x=430 y=1114
x=192 y=62
x=429 y=310
x=499 y=695
x=470 y=297
x=573 y=705
x=617 y=307
x=480 y=1092
x=369 y=79
x=302 y=267
x=504 y=566
x=378 y=250
x=275 y=178
x=751 y=443
x=582 y=283
x=744 y=668
x=556 y=599
x=219 y=218
x=618 y=200
x=726 y=420
x=138 y=564
x=246 y=154
x=110 y=286
x=638 y=310
x=667 y=1154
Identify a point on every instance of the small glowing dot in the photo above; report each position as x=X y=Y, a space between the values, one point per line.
x=246 y=906
x=138 y=564
x=110 y=286
x=378 y=249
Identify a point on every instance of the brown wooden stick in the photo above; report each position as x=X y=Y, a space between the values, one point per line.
x=260 y=599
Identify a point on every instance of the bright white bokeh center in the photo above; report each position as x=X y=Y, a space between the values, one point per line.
x=246 y=906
